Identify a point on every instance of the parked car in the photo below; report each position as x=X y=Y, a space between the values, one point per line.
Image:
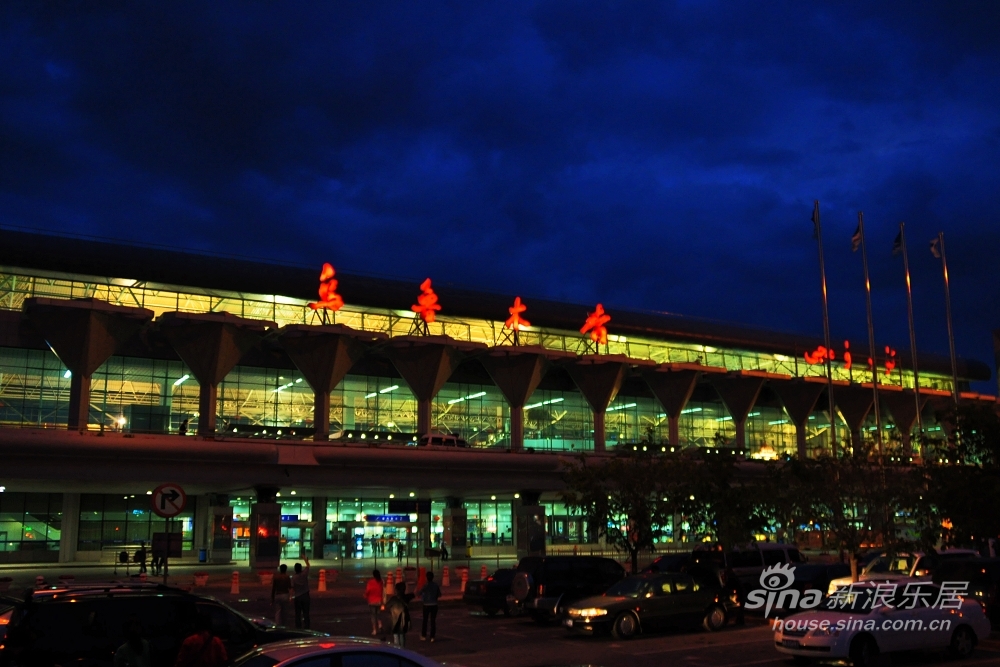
x=982 y=576
x=670 y=563
x=332 y=652
x=546 y=586
x=492 y=593
x=860 y=630
x=749 y=562
x=813 y=576
x=906 y=565
x=441 y=440
x=650 y=602
x=84 y=624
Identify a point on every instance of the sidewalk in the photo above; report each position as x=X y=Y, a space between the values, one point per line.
x=346 y=583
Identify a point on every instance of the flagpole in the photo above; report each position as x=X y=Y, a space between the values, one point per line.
x=826 y=332
x=871 y=337
x=951 y=331
x=913 y=334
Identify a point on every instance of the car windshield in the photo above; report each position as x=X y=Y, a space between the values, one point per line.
x=891 y=565
x=632 y=587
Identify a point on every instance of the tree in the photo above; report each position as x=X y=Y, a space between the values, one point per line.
x=622 y=497
x=963 y=495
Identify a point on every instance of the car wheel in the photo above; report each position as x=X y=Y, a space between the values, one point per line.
x=863 y=651
x=625 y=626
x=715 y=618
x=491 y=611
x=963 y=642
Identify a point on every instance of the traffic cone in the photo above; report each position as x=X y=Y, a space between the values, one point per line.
x=399 y=574
x=322 y=582
x=483 y=573
x=389 y=586
x=234 y=587
x=465 y=578
x=446 y=577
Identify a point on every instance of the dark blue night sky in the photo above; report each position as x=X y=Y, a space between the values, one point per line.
x=657 y=156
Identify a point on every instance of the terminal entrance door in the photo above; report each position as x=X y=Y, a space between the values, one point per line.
x=296 y=539
x=367 y=539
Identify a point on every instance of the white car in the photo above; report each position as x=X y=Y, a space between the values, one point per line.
x=332 y=652
x=859 y=626
x=903 y=566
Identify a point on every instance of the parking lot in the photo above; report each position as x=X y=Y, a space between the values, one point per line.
x=467 y=636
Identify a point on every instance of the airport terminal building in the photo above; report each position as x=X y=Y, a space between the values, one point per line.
x=298 y=429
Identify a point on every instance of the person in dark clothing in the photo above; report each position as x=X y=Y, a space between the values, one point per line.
x=300 y=593
x=140 y=557
x=399 y=609
x=429 y=595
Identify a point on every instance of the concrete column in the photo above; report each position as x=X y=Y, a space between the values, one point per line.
x=854 y=403
x=69 y=532
x=599 y=377
x=202 y=529
x=739 y=392
x=799 y=398
x=425 y=364
x=902 y=406
x=529 y=531
x=517 y=371
x=265 y=530
x=319 y=529
x=672 y=384
x=324 y=354
x=83 y=333
x=211 y=344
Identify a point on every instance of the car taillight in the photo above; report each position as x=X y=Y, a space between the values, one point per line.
x=541 y=589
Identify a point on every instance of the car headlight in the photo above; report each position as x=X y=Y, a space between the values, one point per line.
x=588 y=613
x=825 y=632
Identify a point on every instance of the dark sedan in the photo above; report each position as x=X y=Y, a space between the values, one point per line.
x=491 y=594
x=650 y=602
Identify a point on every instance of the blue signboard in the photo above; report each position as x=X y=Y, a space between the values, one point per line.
x=289 y=517
x=387 y=518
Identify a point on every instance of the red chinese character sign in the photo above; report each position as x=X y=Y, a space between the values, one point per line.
x=515 y=323
x=595 y=325
x=427 y=305
x=821 y=354
x=328 y=297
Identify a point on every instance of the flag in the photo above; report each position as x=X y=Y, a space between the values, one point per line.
x=935 y=248
x=856 y=239
x=815 y=219
x=897 y=245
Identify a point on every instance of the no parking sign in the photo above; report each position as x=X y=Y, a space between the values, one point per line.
x=169 y=500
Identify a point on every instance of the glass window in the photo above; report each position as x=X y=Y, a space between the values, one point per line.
x=112 y=521
x=773 y=556
x=30 y=521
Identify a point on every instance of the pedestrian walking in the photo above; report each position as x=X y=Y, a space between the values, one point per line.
x=201 y=648
x=140 y=557
x=429 y=596
x=300 y=591
x=281 y=589
x=399 y=552
x=135 y=651
x=399 y=610
x=373 y=595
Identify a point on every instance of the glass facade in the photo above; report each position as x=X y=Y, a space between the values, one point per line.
x=111 y=521
x=18 y=284
x=30 y=521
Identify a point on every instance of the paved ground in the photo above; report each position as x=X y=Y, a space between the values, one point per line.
x=469 y=637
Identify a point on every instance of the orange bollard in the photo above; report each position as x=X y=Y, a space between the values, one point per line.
x=399 y=574
x=389 y=587
x=446 y=577
x=322 y=582
x=465 y=578
x=234 y=586
x=483 y=573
